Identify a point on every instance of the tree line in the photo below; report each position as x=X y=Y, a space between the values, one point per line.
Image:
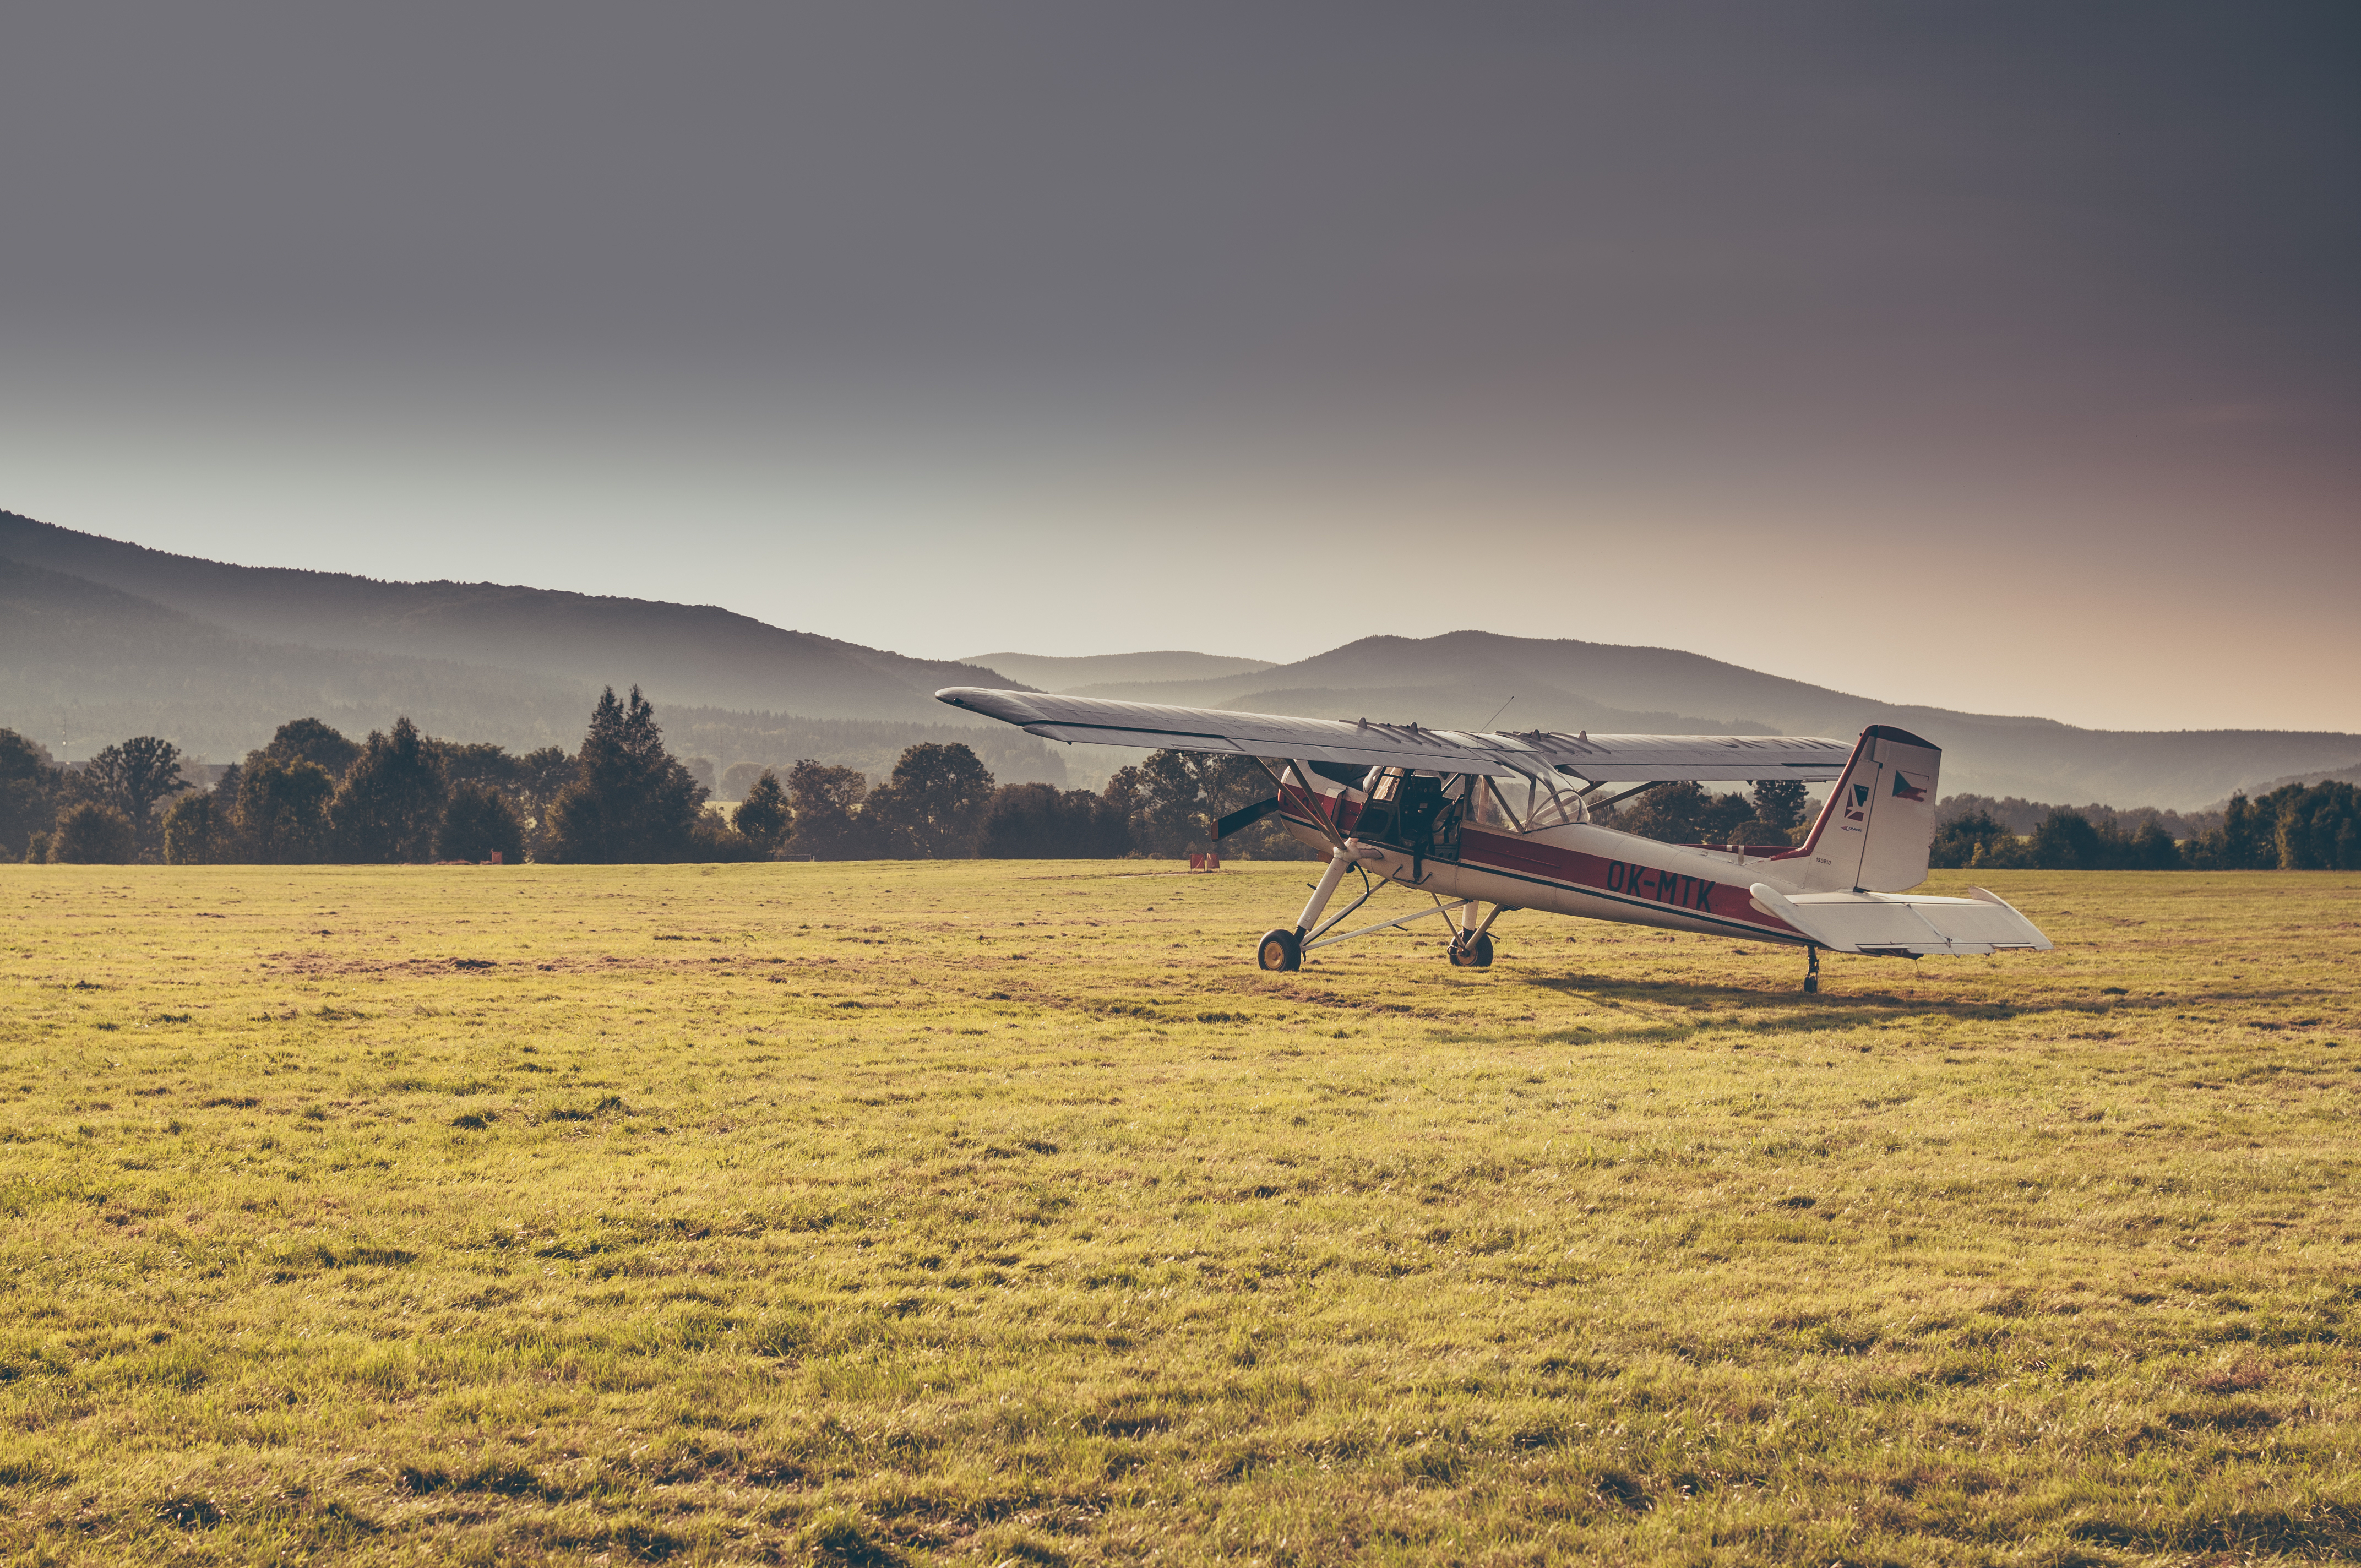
x=315 y=795
x=2297 y=828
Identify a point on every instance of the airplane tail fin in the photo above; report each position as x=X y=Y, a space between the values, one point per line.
x=1872 y=834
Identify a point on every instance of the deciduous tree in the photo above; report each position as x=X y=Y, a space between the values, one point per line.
x=198 y=832
x=133 y=776
x=479 y=820
x=1682 y=813
x=93 y=834
x=1040 y=822
x=314 y=742
x=934 y=803
x=1958 y=841
x=2317 y=827
x=1163 y=804
x=1168 y=802
x=282 y=810
x=826 y=802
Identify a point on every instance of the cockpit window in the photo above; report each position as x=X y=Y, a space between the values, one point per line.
x=1528 y=806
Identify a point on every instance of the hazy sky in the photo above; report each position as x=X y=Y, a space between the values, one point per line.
x=2001 y=357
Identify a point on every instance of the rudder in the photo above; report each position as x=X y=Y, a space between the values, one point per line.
x=1873 y=833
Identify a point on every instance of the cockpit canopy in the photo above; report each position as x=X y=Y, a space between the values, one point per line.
x=1524 y=806
x=1504 y=806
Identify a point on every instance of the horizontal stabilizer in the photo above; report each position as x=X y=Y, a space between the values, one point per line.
x=1913 y=923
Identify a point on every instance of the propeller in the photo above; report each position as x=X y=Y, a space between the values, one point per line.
x=1244 y=817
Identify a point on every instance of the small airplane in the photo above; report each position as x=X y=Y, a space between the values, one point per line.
x=1496 y=817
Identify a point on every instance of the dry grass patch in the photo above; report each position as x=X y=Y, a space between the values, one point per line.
x=1006 y=1213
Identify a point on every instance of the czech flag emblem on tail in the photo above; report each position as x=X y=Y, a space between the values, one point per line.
x=1904 y=789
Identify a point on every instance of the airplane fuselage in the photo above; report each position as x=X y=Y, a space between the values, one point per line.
x=1576 y=869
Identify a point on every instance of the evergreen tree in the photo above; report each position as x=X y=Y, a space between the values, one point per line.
x=630 y=800
x=392 y=800
x=1162 y=803
x=477 y=821
x=282 y=810
x=1779 y=805
x=763 y=817
x=2249 y=838
x=93 y=834
x=29 y=787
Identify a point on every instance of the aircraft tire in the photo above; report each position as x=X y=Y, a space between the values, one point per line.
x=1280 y=951
x=1477 y=954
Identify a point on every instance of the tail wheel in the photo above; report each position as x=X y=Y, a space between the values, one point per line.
x=1280 y=950
x=1476 y=954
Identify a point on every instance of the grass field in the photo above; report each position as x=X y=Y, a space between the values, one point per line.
x=1004 y=1213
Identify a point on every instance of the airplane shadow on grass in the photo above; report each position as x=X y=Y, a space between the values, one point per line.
x=1675 y=993
x=1774 y=1013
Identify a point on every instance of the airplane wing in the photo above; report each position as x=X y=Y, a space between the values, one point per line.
x=1913 y=923
x=1593 y=758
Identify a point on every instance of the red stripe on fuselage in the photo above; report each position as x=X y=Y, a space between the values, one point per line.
x=1630 y=879
x=1635 y=883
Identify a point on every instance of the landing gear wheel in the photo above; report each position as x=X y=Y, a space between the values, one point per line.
x=1812 y=975
x=1280 y=951
x=1473 y=954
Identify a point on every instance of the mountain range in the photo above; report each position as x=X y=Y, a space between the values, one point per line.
x=101 y=639
x=1483 y=680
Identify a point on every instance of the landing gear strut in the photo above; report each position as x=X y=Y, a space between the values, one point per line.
x=1283 y=950
x=1812 y=975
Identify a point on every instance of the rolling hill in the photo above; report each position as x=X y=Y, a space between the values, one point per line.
x=101 y=639
x=83 y=664
x=676 y=653
x=1463 y=678
x=1063 y=675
